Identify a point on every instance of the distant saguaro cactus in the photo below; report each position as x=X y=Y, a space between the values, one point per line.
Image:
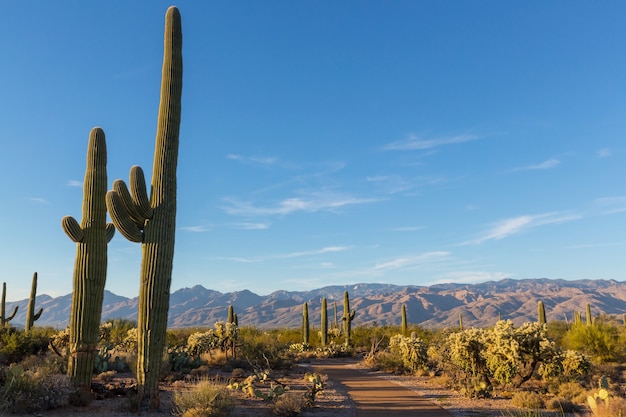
x=31 y=316
x=336 y=321
x=588 y=315
x=324 y=323
x=4 y=320
x=152 y=221
x=90 y=267
x=305 y=324
x=404 y=325
x=461 y=321
x=347 y=318
x=231 y=314
x=541 y=313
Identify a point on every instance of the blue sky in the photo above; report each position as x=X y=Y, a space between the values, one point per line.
x=324 y=142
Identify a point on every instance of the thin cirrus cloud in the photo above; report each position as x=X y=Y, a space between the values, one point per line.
x=604 y=153
x=547 y=164
x=74 y=183
x=322 y=251
x=515 y=225
x=414 y=142
x=256 y=159
x=314 y=203
x=409 y=261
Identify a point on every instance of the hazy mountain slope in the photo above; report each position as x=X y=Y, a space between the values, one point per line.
x=435 y=306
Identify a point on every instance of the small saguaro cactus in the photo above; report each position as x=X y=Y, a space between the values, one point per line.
x=305 y=324
x=541 y=313
x=231 y=314
x=90 y=267
x=4 y=320
x=324 y=323
x=152 y=220
x=347 y=318
x=31 y=316
x=577 y=318
x=404 y=325
x=336 y=321
x=461 y=321
x=588 y=314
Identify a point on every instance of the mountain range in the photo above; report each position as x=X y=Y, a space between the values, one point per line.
x=433 y=306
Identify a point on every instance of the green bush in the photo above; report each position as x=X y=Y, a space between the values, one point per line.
x=29 y=391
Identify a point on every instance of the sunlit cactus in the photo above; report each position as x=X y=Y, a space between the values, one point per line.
x=90 y=268
x=4 y=320
x=347 y=318
x=305 y=324
x=324 y=323
x=31 y=316
x=541 y=313
x=152 y=220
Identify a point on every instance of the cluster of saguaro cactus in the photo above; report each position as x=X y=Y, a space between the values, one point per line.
x=90 y=268
x=305 y=324
x=152 y=220
x=541 y=313
x=404 y=328
x=347 y=318
x=232 y=316
x=31 y=316
x=324 y=323
x=4 y=320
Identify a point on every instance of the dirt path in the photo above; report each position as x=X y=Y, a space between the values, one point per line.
x=377 y=397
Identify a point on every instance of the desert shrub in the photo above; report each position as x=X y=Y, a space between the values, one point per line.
x=561 y=404
x=527 y=399
x=290 y=404
x=15 y=344
x=412 y=350
x=28 y=391
x=572 y=391
x=600 y=340
x=208 y=398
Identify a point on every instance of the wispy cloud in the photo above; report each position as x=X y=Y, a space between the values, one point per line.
x=392 y=184
x=251 y=226
x=407 y=228
x=38 y=200
x=547 y=164
x=515 y=225
x=468 y=277
x=414 y=142
x=196 y=229
x=322 y=251
x=74 y=183
x=262 y=160
x=310 y=204
x=604 y=153
x=610 y=205
x=420 y=259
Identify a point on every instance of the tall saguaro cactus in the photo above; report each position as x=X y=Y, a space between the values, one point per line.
x=90 y=268
x=405 y=325
x=4 y=320
x=31 y=316
x=541 y=313
x=347 y=318
x=305 y=324
x=152 y=221
x=324 y=323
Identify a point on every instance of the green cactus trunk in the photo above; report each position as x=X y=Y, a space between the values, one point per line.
x=347 y=318
x=405 y=328
x=153 y=221
x=90 y=268
x=461 y=321
x=4 y=320
x=541 y=313
x=305 y=324
x=588 y=315
x=336 y=321
x=324 y=323
x=231 y=314
x=31 y=316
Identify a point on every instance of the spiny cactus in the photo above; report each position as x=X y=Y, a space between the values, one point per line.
x=152 y=221
x=541 y=313
x=90 y=268
x=305 y=324
x=4 y=320
x=461 y=321
x=600 y=408
x=231 y=314
x=588 y=315
x=347 y=318
x=336 y=321
x=324 y=323
x=577 y=318
x=404 y=328
x=31 y=316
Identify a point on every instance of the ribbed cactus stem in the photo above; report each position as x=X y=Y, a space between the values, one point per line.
x=336 y=321
x=324 y=323
x=4 y=320
x=541 y=313
x=347 y=318
x=231 y=314
x=404 y=324
x=31 y=316
x=588 y=315
x=305 y=324
x=90 y=268
x=460 y=321
x=152 y=221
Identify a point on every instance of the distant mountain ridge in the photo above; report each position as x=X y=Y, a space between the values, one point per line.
x=429 y=306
